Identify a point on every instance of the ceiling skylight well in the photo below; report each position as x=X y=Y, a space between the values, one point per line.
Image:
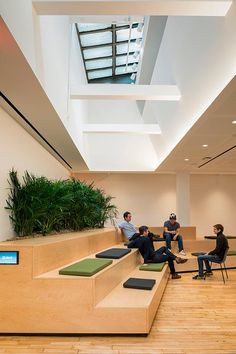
x=110 y=51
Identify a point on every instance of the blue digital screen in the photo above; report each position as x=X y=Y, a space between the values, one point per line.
x=9 y=257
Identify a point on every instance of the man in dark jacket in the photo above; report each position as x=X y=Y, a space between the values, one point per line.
x=215 y=255
x=144 y=244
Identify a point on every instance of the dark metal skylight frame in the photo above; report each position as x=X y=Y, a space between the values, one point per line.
x=110 y=48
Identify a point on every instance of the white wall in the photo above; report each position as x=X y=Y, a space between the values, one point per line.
x=113 y=112
x=213 y=202
x=21 y=152
x=55 y=45
x=129 y=151
x=149 y=197
x=198 y=54
x=152 y=197
x=119 y=152
x=78 y=109
x=19 y=16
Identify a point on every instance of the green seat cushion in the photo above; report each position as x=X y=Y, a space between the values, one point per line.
x=153 y=267
x=86 y=267
x=231 y=253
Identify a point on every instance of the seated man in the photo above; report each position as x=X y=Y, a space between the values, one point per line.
x=215 y=255
x=130 y=231
x=171 y=233
x=143 y=243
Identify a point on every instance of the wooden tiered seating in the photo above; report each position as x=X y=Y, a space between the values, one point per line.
x=35 y=298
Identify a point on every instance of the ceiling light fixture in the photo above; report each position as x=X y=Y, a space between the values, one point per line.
x=234 y=122
x=186 y=159
x=204 y=145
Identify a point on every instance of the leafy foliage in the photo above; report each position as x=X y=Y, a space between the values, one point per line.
x=39 y=205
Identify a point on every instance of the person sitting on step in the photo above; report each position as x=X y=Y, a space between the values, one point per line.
x=143 y=243
x=215 y=255
x=130 y=231
x=171 y=233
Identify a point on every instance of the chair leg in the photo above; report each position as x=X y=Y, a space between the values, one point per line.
x=222 y=273
x=226 y=271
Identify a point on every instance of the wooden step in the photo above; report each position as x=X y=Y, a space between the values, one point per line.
x=134 y=309
x=54 y=251
x=188 y=232
x=105 y=280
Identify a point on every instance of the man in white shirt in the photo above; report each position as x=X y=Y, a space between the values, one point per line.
x=127 y=228
x=130 y=231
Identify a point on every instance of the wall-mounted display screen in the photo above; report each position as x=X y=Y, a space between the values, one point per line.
x=9 y=257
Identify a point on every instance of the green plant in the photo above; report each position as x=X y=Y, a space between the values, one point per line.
x=39 y=205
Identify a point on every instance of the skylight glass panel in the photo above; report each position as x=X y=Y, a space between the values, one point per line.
x=97 y=52
x=123 y=35
x=96 y=38
x=123 y=70
x=83 y=27
x=122 y=60
x=97 y=64
x=99 y=74
x=123 y=48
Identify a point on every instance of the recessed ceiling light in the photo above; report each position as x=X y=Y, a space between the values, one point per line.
x=186 y=159
x=234 y=122
x=204 y=145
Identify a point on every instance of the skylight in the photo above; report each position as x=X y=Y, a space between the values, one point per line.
x=110 y=51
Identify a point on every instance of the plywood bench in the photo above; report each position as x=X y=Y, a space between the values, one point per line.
x=188 y=232
x=46 y=302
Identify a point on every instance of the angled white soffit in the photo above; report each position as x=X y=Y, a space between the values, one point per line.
x=126 y=92
x=23 y=97
x=122 y=128
x=141 y=7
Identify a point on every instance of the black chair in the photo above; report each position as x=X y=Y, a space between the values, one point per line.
x=223 y=262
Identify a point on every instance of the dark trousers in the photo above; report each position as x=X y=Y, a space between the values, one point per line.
x=169 y=237
x=143 y=243
x=164 y=255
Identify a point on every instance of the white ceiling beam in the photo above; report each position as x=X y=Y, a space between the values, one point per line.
x=126 y=92
x=139 y=7
x=122 y=128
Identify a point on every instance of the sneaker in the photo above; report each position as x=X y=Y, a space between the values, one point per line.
x=182 y=253
x=199 y=277
x=208 y=274
x=176 y=276
x=180 y=260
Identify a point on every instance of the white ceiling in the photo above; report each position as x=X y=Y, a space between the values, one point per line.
x=189 y=45
x=215 y=129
